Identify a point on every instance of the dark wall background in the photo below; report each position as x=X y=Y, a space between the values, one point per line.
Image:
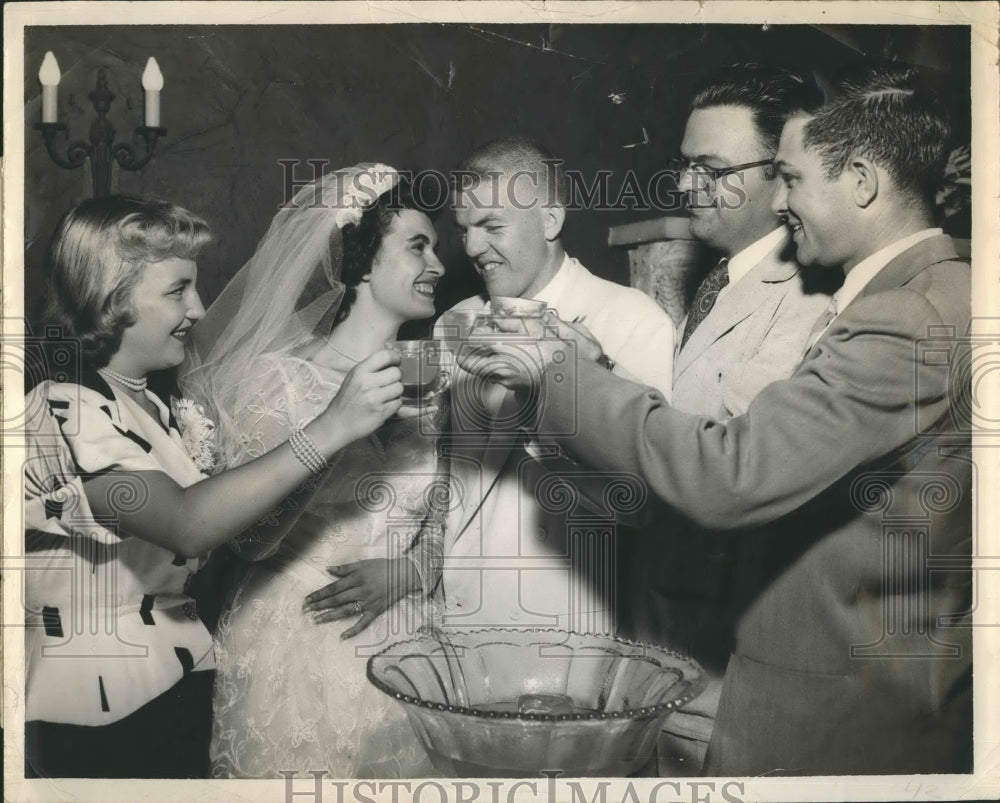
x=238 y=99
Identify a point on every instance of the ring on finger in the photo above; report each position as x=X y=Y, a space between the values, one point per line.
x=357 y=607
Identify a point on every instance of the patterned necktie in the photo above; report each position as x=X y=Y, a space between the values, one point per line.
x=704 y=299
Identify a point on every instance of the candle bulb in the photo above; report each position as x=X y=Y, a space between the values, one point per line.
x=49 y=76
x=152 y=83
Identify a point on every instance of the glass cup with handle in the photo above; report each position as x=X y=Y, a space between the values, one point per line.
x=423 y=375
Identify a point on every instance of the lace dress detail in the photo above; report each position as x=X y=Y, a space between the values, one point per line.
x=291 y=694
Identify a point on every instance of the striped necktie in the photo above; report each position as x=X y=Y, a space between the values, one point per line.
x=704 y=299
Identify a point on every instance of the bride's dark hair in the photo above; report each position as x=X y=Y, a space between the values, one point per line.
x=291 y=289
x=362 y=240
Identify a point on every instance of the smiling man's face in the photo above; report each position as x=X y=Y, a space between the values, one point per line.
x=502 y=227
x=818 y=210
x=734 y=212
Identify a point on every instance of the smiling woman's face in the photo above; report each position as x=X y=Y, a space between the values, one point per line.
x=406 y=270
x=167 y=305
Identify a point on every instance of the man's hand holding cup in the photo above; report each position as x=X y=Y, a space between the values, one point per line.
x=535 y=342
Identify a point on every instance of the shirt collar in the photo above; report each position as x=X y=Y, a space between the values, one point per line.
x=741 y=263
x=557 y=286
x=866 y=270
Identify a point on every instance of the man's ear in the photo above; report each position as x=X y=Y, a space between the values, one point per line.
x=553 y=218
x=864 y=178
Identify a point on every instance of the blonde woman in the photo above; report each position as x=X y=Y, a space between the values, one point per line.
x=119 y=668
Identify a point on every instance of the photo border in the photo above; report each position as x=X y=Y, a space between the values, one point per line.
x=983 y=21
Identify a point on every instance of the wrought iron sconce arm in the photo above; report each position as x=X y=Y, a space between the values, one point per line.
x=102 y=148
x=126 y=154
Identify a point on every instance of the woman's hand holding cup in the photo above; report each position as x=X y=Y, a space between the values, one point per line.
x=372 y=392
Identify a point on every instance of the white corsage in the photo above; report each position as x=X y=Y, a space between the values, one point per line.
x=197 y=432
x=363 y=190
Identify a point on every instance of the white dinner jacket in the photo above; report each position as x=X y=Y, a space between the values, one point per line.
x=519 y=548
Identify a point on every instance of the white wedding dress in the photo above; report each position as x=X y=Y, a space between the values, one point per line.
x=291 y=694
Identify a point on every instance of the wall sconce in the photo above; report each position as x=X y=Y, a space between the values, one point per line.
x=101 y=148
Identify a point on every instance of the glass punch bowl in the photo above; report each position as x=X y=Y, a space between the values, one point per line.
x=510 y=703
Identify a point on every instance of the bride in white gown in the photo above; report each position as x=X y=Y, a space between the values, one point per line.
x=340 y=269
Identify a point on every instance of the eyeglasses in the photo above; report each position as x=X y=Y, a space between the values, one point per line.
x=680 y=166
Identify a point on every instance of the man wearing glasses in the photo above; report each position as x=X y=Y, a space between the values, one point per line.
x=752 y=313
x=747 y=327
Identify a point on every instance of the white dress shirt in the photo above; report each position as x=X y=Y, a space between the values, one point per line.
x=741 y=263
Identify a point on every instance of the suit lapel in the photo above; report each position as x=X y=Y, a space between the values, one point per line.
x=500 y=441
x=735 y=305
x=911 y=262
x=901 y=270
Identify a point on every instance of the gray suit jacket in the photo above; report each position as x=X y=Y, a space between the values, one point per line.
x=755 y=334
x=853 y=653
x=679 y=589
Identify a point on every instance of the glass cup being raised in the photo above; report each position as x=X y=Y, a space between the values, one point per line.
x=522 y=316
x=510 y=307
x=420 y=366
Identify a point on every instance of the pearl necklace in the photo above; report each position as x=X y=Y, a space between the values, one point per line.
x=135 y=385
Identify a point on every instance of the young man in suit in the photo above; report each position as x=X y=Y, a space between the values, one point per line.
x=853 y=653
x=747 y=327
x=511 y=557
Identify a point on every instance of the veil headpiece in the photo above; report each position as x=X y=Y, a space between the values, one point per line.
x=288 y=292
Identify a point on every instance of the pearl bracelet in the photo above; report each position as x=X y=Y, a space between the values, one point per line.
x=307 y=453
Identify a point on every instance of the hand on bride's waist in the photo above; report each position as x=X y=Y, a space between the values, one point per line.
x=363 y=589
